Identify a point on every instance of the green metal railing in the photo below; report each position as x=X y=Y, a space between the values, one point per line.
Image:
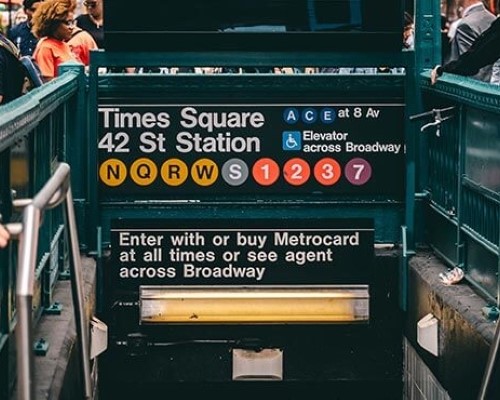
x=55 y=192
x=464 y=179
x=37 y=132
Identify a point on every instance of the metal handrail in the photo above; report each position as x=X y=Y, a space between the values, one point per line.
x=493 y=360
x=56 y=191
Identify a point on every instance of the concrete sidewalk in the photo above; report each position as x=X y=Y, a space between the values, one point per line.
x=57 y=374
x=464 y=333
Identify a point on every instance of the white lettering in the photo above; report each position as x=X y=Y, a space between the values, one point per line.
x=113 y=117
x=191 y=271
x=147 y=272
x=220 y=120
x=222 y=143
x=328 y=136
x=376 y=147
x=302 y=239
x=129 y=239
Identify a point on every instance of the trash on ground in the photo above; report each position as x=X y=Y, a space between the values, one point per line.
x=453 y=276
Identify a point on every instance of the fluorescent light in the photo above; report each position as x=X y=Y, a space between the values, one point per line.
x=255 y=304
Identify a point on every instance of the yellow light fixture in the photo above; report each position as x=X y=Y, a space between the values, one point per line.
x=254 y=304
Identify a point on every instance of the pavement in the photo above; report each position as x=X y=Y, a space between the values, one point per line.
x=465 y=334
x=57 y=374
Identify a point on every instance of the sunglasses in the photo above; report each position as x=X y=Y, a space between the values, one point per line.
x=69 y=22
x=90 y=4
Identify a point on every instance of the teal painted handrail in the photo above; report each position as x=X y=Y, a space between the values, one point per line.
x=463 y=163
x=22 y=115
x=37 y=132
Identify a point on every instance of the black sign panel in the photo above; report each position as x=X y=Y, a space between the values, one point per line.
x=159 y=150
x=241 y=252
x=257 y=25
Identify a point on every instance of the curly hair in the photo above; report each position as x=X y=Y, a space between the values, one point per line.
x=49 y=14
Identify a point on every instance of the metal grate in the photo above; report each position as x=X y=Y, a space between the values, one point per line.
x=419 y=382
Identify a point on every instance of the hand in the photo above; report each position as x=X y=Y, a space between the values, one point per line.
x=4 y=236
x=434 y=75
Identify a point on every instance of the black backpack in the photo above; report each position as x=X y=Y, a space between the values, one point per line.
x=32 y=71
x=30 y=68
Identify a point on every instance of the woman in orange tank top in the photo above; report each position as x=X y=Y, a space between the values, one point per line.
x=53 y=22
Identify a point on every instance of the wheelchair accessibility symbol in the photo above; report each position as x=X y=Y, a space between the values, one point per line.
x=292 y=140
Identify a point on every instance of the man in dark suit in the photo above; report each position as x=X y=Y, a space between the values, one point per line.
x=475 y=20
x=484 y=51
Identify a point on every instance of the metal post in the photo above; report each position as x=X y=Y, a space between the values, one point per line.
x=493 y=357
x=77 y=292
x=56 y=190
x=24 y=296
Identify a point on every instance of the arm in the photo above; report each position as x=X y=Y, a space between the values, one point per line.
x=4 y=236
x=464 y=38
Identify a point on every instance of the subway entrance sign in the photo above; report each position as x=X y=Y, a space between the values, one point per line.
x=299 y=251
x=157 y=149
